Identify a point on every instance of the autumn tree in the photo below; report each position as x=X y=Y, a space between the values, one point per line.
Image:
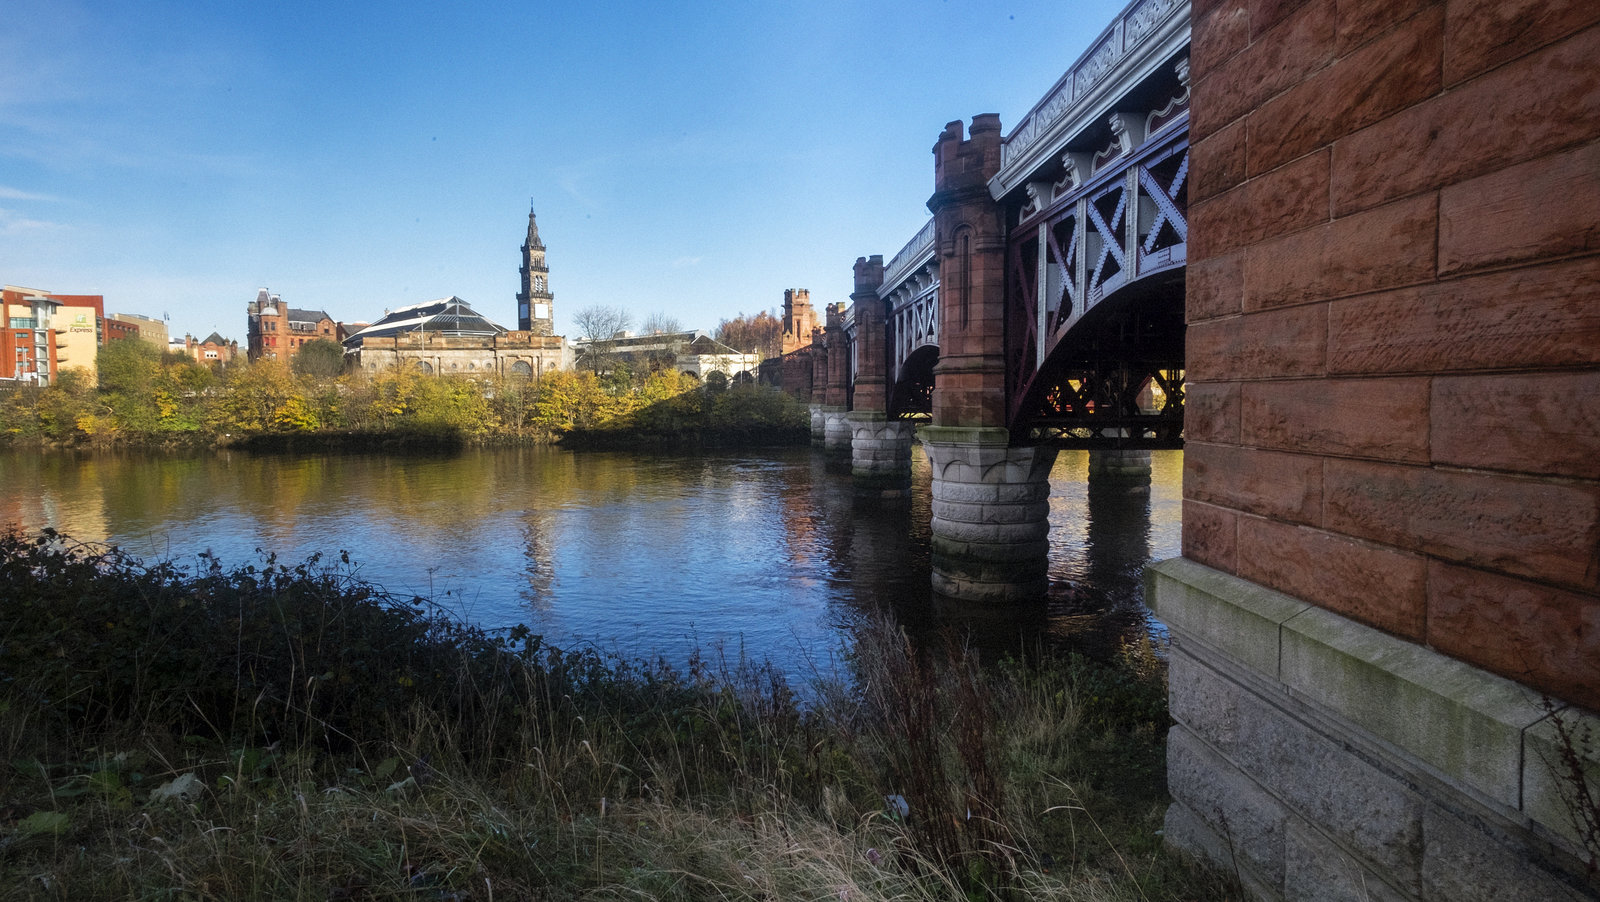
x=760 y=334
x=321 y=357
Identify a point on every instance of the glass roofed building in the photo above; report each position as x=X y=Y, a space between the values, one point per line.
x=448 y=336
x=446 y=316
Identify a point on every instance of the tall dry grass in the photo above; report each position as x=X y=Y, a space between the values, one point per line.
x=442 y=763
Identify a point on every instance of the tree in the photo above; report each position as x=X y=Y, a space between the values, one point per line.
x=599 y=322
x=598 y=325
x=322 y=357
x=660 y=323
x=760 y=334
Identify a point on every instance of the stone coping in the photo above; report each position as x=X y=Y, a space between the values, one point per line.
x=1484 y=734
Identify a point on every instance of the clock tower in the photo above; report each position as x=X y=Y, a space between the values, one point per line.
x=535 y=303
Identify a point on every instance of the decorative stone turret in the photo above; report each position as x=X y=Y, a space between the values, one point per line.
x=836 y=399
x=991 y=509
x=880 y=448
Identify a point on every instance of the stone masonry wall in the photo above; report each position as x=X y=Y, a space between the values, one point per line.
x=1394 y=320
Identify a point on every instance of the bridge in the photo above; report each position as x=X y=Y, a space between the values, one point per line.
x=1350 y=263
x=1040 y=308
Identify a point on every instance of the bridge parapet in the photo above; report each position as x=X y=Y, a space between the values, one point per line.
x=1143 y=38
x=915 y=255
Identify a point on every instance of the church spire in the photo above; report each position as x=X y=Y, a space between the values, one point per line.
x=535 y=302
x=533 y=228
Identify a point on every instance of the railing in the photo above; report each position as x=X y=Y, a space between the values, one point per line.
x=1141 y=30
x=907 y=260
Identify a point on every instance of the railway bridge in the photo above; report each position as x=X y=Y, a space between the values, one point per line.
x=1041 y=307
x=1346 y=253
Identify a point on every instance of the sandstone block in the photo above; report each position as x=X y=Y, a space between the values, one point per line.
x=1210 y=535
x=1378 y=418
x=1543 y=102
x=1546 y=423
x=1274 y=344
x=1218 y=32
x=1533 y=633
x=1277 y=58
x=1538 y=209
x=1217 y=163
x=1370 y=583
x=1268 y=483
x=1387 y=247
x=1486 y=33
x=1519 y=526
x=1540 y=317
x=1390 y=74
x=1214 y=287
x=1211 y=412
x=1291 y=197
x=1360 y=22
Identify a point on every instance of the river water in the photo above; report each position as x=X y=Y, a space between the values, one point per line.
x=761 y=551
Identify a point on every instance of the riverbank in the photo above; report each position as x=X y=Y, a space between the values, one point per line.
x=342 y=743
x=145 y=401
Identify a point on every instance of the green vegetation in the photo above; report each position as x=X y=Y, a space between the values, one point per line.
x=294 y=733
x=146 y=398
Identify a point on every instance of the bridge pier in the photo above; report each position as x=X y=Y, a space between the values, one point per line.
x=819 y=425
x=991 y=514
x=1119 y=469
x=880 y=455
x=836 y=433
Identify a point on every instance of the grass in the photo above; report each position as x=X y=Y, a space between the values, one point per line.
x=274 y=732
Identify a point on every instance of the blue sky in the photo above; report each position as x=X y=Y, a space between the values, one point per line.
x=694 y=159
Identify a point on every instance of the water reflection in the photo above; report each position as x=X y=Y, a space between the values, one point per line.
x=645 y=554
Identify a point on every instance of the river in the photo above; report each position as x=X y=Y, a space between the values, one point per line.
x=760 y=551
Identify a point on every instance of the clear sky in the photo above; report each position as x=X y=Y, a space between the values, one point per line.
x=695 y=159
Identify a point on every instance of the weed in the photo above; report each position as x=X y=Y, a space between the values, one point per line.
x=293 y=732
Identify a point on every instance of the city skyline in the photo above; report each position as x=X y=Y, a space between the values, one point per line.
x=177 y=158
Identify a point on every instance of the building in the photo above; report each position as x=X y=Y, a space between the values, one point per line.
x=118 y=330
x=28 y=351
x=446 y=336
x=150 y=329
x=80 y=330
x=693 y=353
x=799 y=320
x=277 y=332
x=535 y=303
x=75 y=324
x=213 y=349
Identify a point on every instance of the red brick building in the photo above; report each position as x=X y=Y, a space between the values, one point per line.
x=28 y=349
x=277 y=332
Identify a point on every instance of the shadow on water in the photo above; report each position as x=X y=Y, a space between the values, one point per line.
x=645 y=554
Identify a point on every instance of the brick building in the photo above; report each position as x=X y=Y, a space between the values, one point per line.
x=276 y=331
x=28 y=351
x=47 y=333
x=213 y=349
x=148 y=327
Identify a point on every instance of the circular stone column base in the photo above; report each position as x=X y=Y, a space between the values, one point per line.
x=991 y=515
